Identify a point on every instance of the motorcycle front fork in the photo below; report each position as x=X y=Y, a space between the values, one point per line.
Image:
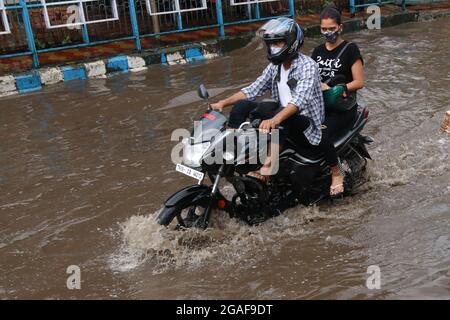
x=213 y=198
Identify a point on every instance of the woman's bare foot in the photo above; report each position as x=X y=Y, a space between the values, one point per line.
x=337 y=185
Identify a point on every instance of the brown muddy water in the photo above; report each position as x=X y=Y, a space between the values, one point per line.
x=85 y=166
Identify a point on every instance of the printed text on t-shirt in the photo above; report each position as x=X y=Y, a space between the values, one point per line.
x=328 y=67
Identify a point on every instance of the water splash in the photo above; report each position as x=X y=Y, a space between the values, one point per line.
x=227 y=241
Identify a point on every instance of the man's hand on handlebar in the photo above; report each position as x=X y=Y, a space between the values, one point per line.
x=268 y=125
x=218 y=106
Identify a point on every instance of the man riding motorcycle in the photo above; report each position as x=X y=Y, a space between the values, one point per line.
x=294 y=82
x=303 y=177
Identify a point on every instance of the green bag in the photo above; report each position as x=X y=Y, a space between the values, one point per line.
x=333 y=98
x=335 y=101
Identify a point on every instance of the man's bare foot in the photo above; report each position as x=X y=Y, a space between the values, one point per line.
x=260 y=174
x=257 y=175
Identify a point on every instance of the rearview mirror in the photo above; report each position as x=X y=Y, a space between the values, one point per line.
x=202 y=92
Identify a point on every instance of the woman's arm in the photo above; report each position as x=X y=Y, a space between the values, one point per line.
x=358 y=76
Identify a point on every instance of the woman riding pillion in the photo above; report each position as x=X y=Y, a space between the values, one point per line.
x=340 y=62
x=294 y=81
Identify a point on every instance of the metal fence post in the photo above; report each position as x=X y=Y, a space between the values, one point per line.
x=179 y=21
x=292 y=8
x=85 y=34
x=257 y=12
x=155 y=19
x=352 y=6
x=220 y=18
x=29 y=33
x=403 y=5
x=179 y=17
x=134 y=25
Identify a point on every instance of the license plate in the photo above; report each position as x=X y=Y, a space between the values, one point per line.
x=190 y=172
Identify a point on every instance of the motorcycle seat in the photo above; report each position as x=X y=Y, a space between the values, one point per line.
x=311 y=155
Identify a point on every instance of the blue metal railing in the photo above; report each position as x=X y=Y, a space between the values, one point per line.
x=353 y=6
x=134 y=24
x=29 y=32
x=218 y=14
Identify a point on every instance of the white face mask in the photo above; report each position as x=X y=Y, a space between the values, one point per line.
x=275 y=50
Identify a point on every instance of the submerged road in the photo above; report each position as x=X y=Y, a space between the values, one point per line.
x=84 y=166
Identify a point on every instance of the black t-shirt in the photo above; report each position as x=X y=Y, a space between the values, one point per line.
x=330 y=67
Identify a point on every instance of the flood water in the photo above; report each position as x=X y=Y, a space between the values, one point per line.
x=85 y=166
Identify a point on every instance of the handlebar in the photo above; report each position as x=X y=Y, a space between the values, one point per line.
x=257 y=122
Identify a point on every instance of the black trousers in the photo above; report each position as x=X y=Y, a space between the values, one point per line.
x=295 y=126
x=335 y=122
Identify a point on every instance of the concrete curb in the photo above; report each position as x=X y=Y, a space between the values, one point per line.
x=188 y=53
x=7 y=86
x=28 y=82
x=95 y=69
x=35 y=80
x=433 y=14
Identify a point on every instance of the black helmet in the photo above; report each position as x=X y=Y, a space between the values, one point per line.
x=282 y=29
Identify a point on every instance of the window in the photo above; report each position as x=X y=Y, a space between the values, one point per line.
x=174 y=6
x=242 y=2
x=4 y=19
x=80 y=17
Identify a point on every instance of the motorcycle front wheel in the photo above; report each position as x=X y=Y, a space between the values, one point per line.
x=189 y=215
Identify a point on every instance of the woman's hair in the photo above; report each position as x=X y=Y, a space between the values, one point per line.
x=331 y=12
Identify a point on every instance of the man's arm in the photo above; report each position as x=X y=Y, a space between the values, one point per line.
x=302 y=94
x=229 y=101
x=286 y=113
x=256 y=89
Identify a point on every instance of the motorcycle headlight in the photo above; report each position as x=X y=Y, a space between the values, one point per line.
x=193 y=153
x=228 y=156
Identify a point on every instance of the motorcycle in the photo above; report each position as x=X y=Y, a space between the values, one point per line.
x=303 y=177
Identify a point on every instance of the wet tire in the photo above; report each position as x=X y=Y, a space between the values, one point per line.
x=187 y=216
x=166 y=216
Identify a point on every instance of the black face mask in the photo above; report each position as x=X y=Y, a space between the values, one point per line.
x=331 y=36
